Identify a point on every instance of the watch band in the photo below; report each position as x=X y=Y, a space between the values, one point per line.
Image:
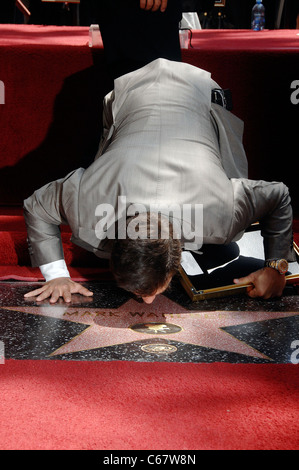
x=281 y=265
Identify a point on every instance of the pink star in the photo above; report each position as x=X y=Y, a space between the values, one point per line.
x=108 y=327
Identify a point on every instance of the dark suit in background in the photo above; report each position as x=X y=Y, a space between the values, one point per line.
x=153 y=34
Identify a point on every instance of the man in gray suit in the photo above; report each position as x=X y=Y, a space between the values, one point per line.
x=164 y=143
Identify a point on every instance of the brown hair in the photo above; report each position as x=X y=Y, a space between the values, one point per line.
x=145 y=264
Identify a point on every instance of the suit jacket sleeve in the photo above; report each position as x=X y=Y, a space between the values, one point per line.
x=44 y=212
x=268 y=203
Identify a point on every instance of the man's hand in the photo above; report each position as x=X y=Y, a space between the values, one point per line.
x=266 y=283
x=61 y=287
x=153 y=5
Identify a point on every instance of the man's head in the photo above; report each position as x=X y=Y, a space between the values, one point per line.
x=145 y=265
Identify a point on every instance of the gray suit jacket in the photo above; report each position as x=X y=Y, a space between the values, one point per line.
x=163 y=143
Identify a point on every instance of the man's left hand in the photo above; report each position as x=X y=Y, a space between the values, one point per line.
x=266 y=283
x=153 y=5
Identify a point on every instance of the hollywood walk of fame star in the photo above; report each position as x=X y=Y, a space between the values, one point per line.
x=108 y=327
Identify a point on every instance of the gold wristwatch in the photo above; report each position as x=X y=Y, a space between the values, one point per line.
x=281 y=265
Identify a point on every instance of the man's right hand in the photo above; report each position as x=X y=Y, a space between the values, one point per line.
x=60 y=287
x=153 y=5
x=266 y=283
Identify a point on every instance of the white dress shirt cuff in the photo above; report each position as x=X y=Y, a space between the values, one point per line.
x=54 y=270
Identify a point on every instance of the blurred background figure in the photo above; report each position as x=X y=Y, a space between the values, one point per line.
x=236 y=14
x=40 y=12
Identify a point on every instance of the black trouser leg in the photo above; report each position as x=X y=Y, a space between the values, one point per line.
x=134 y=37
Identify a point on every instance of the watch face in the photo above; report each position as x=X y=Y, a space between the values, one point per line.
x=282 y=266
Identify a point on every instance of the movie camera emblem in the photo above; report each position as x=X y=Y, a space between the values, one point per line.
x=160 y=349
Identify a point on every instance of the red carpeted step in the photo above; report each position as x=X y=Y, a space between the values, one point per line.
x=66 y=405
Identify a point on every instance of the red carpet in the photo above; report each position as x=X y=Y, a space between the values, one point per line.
x=124 y=405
